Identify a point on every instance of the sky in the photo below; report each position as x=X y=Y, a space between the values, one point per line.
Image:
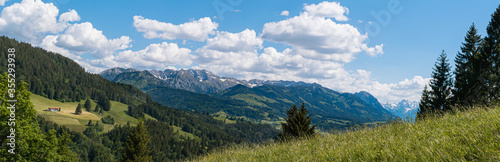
x=385 y=47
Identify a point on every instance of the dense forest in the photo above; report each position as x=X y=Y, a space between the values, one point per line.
x=57 y=77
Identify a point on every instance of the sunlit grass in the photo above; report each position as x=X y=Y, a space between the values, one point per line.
x=472 y=135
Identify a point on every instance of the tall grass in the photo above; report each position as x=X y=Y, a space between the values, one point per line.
x=460 y=136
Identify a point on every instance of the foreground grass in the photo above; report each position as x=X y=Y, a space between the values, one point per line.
x=472 y=135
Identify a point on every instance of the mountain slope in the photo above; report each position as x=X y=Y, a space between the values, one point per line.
x=323 y=103
x=372 y=101
x=183 y=99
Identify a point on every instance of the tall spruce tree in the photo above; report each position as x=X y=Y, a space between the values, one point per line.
x=136 y=147
x=467 y=70
x=491 y=50
x=441 y=85
x=425 y=104
x=298 y=124
x=88 y=105
x=78 y=110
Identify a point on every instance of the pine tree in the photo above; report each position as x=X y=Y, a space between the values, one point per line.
x=97 y=108
x=88 y=105
x=136 y=147
x=491 y=50
x=441 y=85
x=298 y=124
x=466 y=71
x=425 y=104
x=78 y=110
x=90 y=123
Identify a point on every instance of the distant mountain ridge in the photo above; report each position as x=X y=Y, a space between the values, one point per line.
x=404 y=109
x=196 y=80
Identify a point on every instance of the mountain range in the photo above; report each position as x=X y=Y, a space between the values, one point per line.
x=404 y=109
x=255 y=100
x=196 y=80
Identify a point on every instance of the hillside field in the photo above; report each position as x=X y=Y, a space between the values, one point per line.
x=78 y=123
x=462 y=136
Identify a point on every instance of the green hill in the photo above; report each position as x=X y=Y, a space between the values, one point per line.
x=66 y=116
x=329 y=109
x=463 y=136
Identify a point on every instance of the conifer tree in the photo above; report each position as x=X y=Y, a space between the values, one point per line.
x=491 y=50
x=298 y=124
x=97 y=108
x=136 y=147
x=441 y=85
x=425 y=104
x=467 y=69
x=90 y=123
x=78 y=110
x=88 y=105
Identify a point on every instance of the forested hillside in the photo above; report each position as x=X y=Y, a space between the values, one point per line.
x=56 y=77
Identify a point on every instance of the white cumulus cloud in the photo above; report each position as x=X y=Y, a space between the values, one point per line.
x=84 y=38
x=318 y=37
x=284 y=13
x=29 y=20
x=155 y=56
x=2 y=2
x=328 y=9
x=197 y=30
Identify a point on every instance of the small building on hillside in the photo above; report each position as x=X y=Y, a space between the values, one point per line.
x=54 y=109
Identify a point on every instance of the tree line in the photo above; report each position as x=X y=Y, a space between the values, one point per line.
x=476 y=80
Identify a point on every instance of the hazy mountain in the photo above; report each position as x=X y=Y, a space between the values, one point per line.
x=404 y=108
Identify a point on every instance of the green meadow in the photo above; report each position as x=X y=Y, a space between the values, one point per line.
x=473 y=135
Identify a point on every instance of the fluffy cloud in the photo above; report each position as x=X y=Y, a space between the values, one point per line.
x=246 y=40
x=155 y=56
x=2 y=2
x=318 y=38
x=195 y=30
x=328 y=9
x=84 y=38
x=29 y=20
x=284 y=13
x=69 y=16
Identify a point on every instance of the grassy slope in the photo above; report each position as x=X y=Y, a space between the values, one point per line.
x=473 y=135
x=77 y=122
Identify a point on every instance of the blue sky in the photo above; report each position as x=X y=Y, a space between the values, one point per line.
x=342 y=45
